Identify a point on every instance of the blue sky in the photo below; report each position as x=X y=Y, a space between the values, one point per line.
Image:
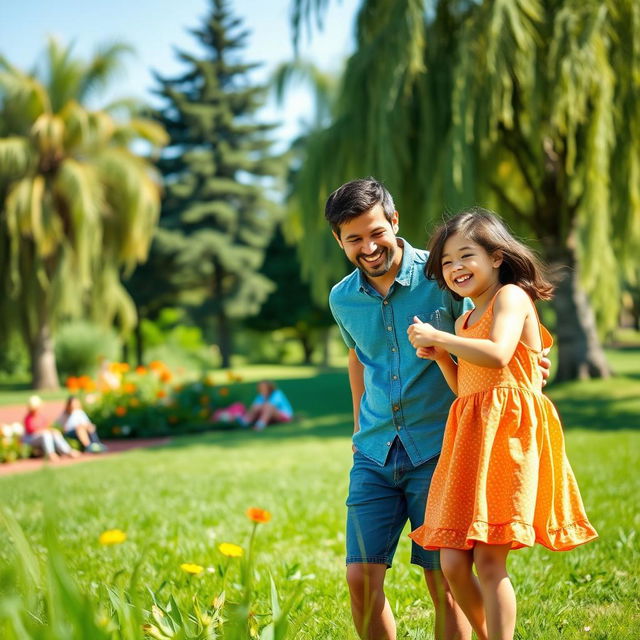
x=155 y=27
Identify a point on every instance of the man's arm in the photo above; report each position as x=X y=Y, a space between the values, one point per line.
x=356 y=382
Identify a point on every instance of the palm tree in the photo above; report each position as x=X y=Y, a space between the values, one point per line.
x=77 y=205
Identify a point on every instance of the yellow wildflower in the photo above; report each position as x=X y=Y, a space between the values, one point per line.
x=230 y=550
x=112 y=536
x=193 y=569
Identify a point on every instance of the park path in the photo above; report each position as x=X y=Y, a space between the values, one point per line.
x=51 y=410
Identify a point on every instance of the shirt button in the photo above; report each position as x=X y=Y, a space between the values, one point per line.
x=388 y=444
x=393 y=348
x=389 y=328
x=395 y=407
x=385 y=302
x=398 y=427
x=395 y=377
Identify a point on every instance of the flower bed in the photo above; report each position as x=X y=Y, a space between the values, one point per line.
x=145 y=401
x=11 y=446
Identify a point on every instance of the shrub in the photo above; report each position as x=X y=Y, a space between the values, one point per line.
x=80 y=346
x=11 y=445
x=147 y=402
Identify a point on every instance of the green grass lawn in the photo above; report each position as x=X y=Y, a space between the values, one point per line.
x=176 y=505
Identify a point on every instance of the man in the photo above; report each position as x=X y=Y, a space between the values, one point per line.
x=400 y=403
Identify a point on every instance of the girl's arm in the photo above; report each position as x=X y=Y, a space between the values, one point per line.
x=449 y=370
x=510 y=311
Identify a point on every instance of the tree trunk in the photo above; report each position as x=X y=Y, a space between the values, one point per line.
x=580 y=354
x=139 y=343
x=44 y=374
x=307 y=345
x=224 y=329
x=326 y=347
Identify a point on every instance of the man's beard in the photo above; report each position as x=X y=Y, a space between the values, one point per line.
x=388 y=253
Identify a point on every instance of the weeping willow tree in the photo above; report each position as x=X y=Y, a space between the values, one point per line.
x=76 y=204
x=529 y=107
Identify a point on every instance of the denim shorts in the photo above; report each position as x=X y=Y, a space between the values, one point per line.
x=380 y=501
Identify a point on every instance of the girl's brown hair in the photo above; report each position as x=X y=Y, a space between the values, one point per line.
x=520 y=265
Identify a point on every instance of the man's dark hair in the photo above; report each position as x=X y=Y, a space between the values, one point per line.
x=355 y=198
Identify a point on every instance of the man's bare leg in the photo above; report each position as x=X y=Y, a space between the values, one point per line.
x=370 y=608
x=450 y=622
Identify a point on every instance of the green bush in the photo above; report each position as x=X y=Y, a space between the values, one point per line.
x=14 y=358
x=146 y=402
x=80 y=346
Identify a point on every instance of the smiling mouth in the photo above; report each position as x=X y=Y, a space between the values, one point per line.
x=462 y=279
x=374 y=258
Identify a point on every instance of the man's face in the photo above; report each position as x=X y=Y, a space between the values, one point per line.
x=369 y=241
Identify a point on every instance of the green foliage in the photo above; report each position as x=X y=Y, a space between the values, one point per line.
x=527 y=107
x=217 y=217
x=14 y=357
x=290 y=306
x=146 y=403
x=77 y=204
x=43 y=601
x=11 y=446
x=81 y=345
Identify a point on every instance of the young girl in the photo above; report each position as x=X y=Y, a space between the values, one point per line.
x=503 y=480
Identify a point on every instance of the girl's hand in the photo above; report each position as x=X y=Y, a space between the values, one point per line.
x=421 y=334
x=431 y=353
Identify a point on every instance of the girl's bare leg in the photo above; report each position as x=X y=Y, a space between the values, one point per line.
x=83 y=435
x=497 y=591
x=457 y=566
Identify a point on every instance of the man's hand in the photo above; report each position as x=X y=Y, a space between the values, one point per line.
x=431 y=353
x=545 y=366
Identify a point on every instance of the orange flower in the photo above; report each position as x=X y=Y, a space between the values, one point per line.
x=224 y=391
x=141 y=371
x=121 y=411
x=134 y=402
x=86 y=383
x=258 y=515
x=156 y=365
x=161 y=394
x=118 y=367
x=129 y=387
x=165 y=376
x=72 y=384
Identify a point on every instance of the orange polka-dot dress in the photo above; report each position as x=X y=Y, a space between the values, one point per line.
x=503 y=476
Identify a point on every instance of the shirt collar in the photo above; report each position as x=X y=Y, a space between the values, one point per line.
x=405 y=272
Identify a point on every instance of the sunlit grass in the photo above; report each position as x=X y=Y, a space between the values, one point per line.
x=179 y=503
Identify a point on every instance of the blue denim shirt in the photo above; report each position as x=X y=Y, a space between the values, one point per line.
x=405 y=396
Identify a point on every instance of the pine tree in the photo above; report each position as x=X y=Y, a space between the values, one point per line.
x=291 y=305
x=218 y=168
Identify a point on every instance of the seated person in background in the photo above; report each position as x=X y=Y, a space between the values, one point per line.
x=38 y=434
x=75 y=423
x=270 y=406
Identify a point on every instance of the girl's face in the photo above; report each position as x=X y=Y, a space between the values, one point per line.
x=468 y=269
